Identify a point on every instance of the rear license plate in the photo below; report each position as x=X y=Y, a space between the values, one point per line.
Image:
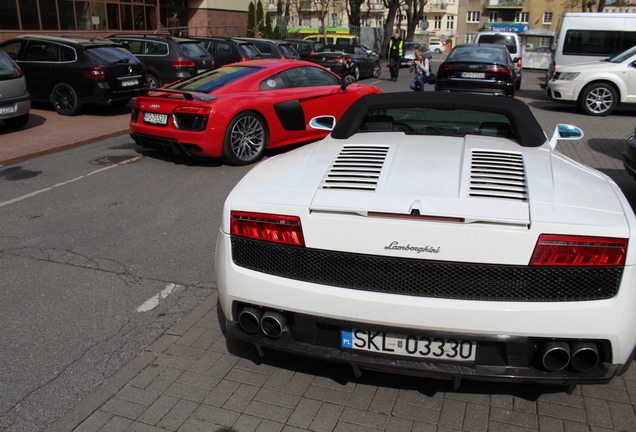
x=129 y=82
x=156 y=118
x=7 y=109
x=481 y=75
x=408 y=345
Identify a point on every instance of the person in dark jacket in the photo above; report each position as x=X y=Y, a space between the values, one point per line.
x=173 y=24
x=395 y=53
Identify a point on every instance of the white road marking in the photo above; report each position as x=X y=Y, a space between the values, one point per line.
x=23 y=197
x=153 y=301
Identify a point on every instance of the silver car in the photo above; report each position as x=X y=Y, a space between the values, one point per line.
x=409 y=53
x=15 y=100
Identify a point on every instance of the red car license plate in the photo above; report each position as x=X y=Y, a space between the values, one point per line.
x=408 y=345
x=156 y=118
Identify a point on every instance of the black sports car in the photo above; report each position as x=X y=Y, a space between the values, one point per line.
x=478 y=68
x=365 y=64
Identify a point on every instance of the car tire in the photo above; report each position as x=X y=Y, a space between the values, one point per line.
x=246 y=139
x=438 y=51
x=356 y=72
x=518 y=84
x=152 y=81
x=377 y=69
x=65 y=100
x=598 y=99
x=17 y=122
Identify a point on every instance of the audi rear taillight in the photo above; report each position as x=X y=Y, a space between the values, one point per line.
x=267 y=227
x=563 y=250
x=182 y=63
x=95 y=72
x=197 y=110
x=499 y=69
x=448 y=68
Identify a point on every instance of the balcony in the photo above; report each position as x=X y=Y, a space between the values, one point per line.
x=437 y=7
x=504 y=4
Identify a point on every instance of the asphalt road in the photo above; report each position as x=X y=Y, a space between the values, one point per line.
x=105 y=246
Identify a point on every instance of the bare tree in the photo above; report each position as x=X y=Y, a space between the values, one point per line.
x=414 y=13
x=298 y=6
x=392 y=6
x=322 y=8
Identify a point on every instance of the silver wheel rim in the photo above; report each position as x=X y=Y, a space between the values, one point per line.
x=599 y=100
x=357 y=73
x=150 y=83
x=376 y=71
x=247 y=139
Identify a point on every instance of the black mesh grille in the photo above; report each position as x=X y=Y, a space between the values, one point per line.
x=423 y=278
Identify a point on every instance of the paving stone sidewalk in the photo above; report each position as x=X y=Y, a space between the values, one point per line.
x=190 y=379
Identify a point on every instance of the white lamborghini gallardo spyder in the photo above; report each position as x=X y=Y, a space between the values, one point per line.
x=441 y=236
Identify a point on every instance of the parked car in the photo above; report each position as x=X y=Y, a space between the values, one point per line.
x=599 y=86
x=409 y=52
x=333 y=58
x=71 y=71
x=369 y=247
x=305 y=47
x=436 y=46
x=15 y=100
x=629 y=154
x=238 y=111
x=512 y=41
x=477 y=68
x=273 y=49
x=335 y=39
x=228 y=50
x=167 y=59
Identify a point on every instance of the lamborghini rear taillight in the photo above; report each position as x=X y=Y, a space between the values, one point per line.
x=267 y=227
x=562 y=250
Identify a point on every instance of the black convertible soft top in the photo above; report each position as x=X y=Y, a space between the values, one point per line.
x=527 y=130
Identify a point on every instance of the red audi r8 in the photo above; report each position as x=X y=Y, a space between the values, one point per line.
x=238 y=111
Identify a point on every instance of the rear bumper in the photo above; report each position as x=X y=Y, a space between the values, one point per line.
x=21 y=106
x=167 y=145
x=489 y=88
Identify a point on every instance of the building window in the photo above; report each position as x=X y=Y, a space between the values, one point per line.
x=438 y=22
x=547 y=17
x=470 y=37
x=522 y=17
x=450 y=22
x=493 y=16
x=473 y=16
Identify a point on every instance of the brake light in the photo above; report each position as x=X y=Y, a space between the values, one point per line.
x=267 y=227
x=561 y=250
x=341 y=59
x=499 y=69
x=182 y=63
x=18 y=72
x=519 y=62
x=244 y=59
x=448 y=67
x=184 y=109
x=286 y=58
x=94 y=72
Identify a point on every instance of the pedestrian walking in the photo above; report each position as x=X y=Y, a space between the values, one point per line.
x=396 y=51
x=173 y=24
x=421 y=68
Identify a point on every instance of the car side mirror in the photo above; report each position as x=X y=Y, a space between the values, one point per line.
x=323 y=122
x=565 y=132
x=344 y=82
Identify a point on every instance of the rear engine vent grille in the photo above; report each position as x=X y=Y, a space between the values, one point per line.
x=497 y=175
x=356 y=168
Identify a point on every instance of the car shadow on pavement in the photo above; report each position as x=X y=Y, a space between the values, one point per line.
x=34 y=122
x=99 y=110
x=342 y=375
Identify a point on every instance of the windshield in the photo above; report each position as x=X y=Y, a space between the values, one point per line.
x=193 y=50
x=498 y=39
x=211 y=81
x=410 y=46
x=431 y=121
x=110 y=55
x=620 y=58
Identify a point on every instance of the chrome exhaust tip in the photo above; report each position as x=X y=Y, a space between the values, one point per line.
x=250 y=319
x=584 y=356
x=556 y=356
x=273 y=324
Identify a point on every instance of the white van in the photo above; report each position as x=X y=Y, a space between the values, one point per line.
x=591 y=36
x=511 y=40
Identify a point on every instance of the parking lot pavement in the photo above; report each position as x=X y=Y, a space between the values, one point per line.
x=47 y=131
x=190 y=379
